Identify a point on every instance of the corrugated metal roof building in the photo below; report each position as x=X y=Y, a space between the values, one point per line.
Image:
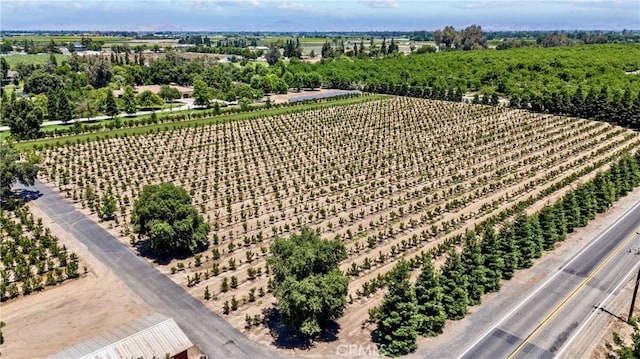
x=153 y=336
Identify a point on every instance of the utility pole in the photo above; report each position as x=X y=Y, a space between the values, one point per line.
x=635 y=289
x=633 y=300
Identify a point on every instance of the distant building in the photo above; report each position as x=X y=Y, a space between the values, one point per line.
x=149 y=337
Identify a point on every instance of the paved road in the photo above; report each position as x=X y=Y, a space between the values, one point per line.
x=210 y=333
x=555 y=310
x=188 y=104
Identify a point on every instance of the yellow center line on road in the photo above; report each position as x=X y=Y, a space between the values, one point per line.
x=573 y=293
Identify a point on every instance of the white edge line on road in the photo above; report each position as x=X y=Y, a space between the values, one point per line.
x=624 y=281
x=543 y=285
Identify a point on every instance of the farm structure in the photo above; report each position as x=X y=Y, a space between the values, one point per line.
x=392 y=178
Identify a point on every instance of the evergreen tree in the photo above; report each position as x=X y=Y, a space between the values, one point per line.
x=571 y=211
x=111 y=108
x=604 y=191
x=538 y=238
x=635 y=112
x=523 y=234
x=547 y=221
x=473 y=262
x=590 y=106
x=509 y=250
x=577 y=103
x=52 y=105
x=429 y=298
x=327 y=50
x=586 y=199
x=455 y=300
x=398 y=316
x=561 y=220
x=393 y=46
x=65 y=111
x=493 y=261
x=129 y=100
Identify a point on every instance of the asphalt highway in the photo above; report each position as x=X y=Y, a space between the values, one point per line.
x=210 y=333
x=554 y=311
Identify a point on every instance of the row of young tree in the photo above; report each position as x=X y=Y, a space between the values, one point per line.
x=488 y=257
x=30 y=256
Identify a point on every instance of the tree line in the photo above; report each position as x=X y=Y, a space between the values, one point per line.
x=595 y=81
x=491 y=253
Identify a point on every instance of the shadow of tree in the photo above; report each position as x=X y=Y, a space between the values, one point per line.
x=18 y=197
x=285 y=337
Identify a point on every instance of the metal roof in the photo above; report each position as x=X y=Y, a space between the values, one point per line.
x=148 y=337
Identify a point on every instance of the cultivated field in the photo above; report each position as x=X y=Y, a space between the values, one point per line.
x=31 y=259
x=392 y=178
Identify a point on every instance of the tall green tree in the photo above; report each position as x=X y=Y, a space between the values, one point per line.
x=547 y=220
x=273 y=55
x=523 y=234
x=168 y=93
x=52 y=105
x=201 y=94
x=454 y=284
x=509 y=250
x=493 y=261
x=432 y=316
x=85 y=108
x=111 y=108
x=23 y=118
x=571 y=211
x=13 y=168
x=65 y=110
x=164 y=215
x=129 y=103
x=473 y=261
x=148 y=100
x=398 y=316
x=310 y=288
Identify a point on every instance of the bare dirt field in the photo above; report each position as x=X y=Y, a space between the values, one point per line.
x=43 y=323
x=392 y=178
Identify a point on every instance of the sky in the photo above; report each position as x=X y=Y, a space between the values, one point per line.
x=328 y=15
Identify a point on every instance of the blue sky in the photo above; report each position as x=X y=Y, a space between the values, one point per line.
x=331 y=15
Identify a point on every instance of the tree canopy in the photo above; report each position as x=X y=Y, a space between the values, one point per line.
x=165 y=216
x=201 y=94
x=310 y=288
x=22 y=116
x=129 y=103
x=398 y=318
x=13 y=169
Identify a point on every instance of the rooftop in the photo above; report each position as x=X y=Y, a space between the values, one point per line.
x=148 y=337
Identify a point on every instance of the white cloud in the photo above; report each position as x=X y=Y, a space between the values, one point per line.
x=287 y=5
x=73 y=4
x=225 y=3
x=380 y=3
